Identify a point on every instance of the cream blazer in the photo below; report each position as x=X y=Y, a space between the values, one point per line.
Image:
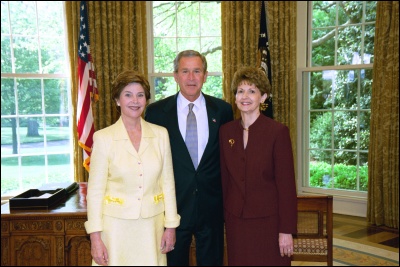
x=127 y=184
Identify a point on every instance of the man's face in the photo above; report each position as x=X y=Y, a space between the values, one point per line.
x=190 y=77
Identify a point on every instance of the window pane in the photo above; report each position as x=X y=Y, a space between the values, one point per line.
x=345 y=175
x=7 y=97
x=365 y=89
x=26 y=55
x=9 y=175
x=365 y=122
x=164 y=20
x=363 y=171
x=32 y=172
x=29 y=95
x=52 y=54
x=5 y=54
x=8 y=137
x=323 y=42
x=5 y=25
x=31 y=136
x=188 y=11
x=59 y=168
x=345 y=89
x=370 y=11
x=321 y=89
x=323 y=14
x=57 y=138
x=369 y=44
x=320 y=170
x=349 y=45
x=214 y=56
x=188 y=43
x=209 y=11
x=345 y=130
x=354 y=10
x=321 y=130
x=55 y=96
x=213 y=86
x=23 y=17
x=47 y=10
x=164 y=86
x=164 y=54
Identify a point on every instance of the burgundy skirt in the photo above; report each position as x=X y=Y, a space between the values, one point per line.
x=253 y=242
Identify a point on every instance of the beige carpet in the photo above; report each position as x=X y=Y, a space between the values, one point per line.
x=348 y=253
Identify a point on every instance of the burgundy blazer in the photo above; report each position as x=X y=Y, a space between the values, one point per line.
x=259 y=181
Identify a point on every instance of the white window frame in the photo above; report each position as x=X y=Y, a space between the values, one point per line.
x=344 y=202
x=65 y=75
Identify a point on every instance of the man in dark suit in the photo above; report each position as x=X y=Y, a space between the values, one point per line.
x=198 y=188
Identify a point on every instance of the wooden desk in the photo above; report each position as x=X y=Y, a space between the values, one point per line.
x=46 y=237
x=52 y=237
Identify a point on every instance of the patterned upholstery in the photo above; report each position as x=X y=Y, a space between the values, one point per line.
x=310 y=246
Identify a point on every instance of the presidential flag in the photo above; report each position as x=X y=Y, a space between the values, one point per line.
x=87 y=92
x=265 y=58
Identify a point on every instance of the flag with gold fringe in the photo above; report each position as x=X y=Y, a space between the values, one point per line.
x=265 y=58
x=87 y=92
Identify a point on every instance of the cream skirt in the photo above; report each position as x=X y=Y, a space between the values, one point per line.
x=134 y=242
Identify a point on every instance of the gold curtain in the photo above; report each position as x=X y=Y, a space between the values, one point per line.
x=240 y=33
x=118 y=41
x=383 y=158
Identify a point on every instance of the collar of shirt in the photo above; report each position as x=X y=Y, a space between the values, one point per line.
x=183 y=104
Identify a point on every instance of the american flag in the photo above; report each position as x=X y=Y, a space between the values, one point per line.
x=265 y=58
x=87 y=88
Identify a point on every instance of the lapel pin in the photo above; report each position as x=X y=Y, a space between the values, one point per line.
x=231 y=142
x=214 y=120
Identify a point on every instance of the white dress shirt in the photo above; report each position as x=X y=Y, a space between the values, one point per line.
x=200 y=111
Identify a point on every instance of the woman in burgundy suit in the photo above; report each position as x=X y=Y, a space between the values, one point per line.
x=258 y=180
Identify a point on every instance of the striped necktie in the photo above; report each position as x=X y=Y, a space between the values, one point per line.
x=191 y=135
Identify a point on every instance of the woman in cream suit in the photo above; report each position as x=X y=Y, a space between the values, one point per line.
x=131 y=202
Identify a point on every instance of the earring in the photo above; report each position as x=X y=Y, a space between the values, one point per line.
x=117 y=104
x=263 y=106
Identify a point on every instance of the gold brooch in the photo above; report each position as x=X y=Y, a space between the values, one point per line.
x=231 y=142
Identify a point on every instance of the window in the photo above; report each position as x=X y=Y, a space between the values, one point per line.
x=177 y=26
x=36 y=129
x=336 y=85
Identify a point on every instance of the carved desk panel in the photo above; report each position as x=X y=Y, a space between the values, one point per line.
x=46 y=237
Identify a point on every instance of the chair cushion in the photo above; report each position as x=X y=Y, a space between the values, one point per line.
x=310 y=246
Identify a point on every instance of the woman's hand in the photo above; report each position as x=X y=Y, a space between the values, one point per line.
x=286 y=244
x=168 y=240
x=98 y=249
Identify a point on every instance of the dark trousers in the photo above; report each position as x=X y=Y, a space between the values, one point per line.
x=209 y=246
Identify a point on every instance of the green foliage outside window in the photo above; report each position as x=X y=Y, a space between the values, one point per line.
x=339 y=100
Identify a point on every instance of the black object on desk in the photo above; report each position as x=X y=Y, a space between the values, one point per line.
x=43 y=198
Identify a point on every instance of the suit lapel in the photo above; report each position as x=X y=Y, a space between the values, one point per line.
x=121 y=136
x=147 y=135
x=213 y=127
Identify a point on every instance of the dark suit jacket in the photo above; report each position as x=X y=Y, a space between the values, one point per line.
x=196 y=190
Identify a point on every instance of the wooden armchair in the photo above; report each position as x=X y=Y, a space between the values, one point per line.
x=313 y=242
